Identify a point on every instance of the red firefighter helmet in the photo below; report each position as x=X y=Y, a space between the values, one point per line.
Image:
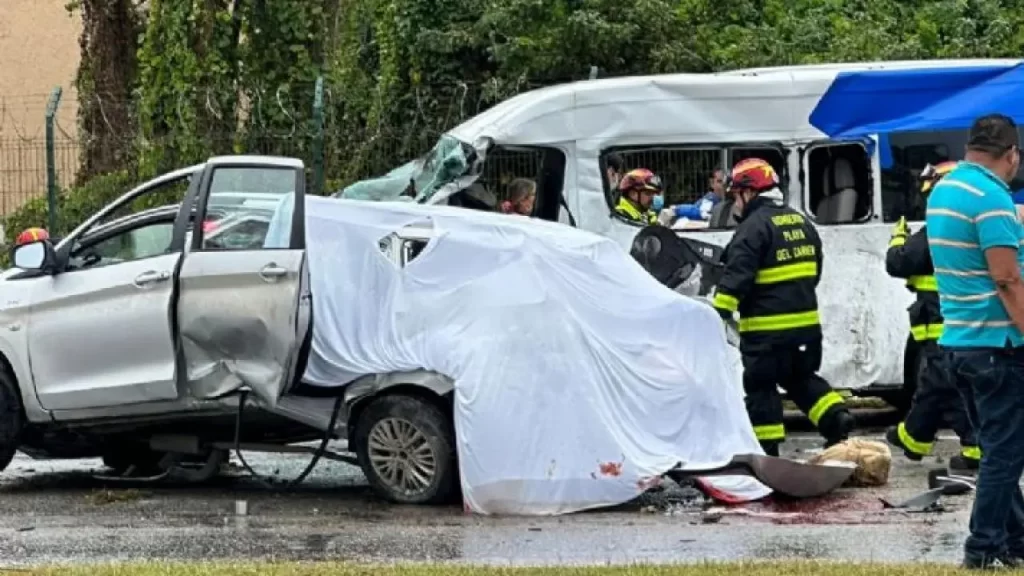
x=640 y=179
x=31 y=235
x=753 y=174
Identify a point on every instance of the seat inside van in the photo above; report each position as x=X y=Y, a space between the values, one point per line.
x=839 y=202
x=839 y=183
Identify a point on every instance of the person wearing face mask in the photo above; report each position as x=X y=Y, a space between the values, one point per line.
x=975 y=241
x=773 y=265
x=640 y=196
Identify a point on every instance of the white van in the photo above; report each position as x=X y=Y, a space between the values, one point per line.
x=683 y=127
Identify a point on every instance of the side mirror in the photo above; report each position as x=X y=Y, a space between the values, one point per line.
x=35 y=256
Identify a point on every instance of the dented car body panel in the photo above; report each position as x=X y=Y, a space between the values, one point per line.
x=172 y=335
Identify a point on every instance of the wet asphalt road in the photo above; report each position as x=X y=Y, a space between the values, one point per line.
x=56 y=512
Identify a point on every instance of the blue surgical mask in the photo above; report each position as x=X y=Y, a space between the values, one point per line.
x=658 y=202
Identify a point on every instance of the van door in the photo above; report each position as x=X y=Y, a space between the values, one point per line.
x=244 y=305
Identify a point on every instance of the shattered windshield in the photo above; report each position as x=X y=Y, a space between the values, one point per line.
x=449 y=159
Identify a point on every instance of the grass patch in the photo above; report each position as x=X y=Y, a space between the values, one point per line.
x=336 y=569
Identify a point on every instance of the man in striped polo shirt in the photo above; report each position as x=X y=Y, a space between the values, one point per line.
x=974 y=239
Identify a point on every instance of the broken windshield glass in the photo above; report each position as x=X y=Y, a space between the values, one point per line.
x=419 y=179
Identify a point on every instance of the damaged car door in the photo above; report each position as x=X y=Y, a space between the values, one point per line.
x=244 y=309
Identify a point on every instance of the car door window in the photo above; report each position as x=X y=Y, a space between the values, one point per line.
x=256 y=204
x=145 y=241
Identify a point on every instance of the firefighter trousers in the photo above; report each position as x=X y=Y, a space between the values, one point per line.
x=936 y=402
x=793 y=368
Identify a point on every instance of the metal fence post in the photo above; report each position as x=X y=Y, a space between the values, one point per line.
x=51 y=162
x=318 y=137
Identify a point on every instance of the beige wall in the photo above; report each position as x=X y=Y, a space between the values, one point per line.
x=38 y=51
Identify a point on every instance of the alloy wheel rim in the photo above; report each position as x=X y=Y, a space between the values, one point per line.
x=401 y=455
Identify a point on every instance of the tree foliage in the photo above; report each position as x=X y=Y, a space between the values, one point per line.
x=216 y=76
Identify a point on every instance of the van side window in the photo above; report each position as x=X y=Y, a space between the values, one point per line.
x=837 y=182
x=543 y=166
x=685 y=172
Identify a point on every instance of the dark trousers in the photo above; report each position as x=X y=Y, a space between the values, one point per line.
x=992 y=384
x=937 y=400
x=794 y=368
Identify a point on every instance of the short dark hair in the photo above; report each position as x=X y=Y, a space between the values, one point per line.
x=615 y=162
x=993 y=134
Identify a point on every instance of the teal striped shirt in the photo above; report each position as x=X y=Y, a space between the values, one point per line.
x=970 y=211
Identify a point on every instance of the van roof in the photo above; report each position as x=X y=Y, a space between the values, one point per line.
x=747 y=105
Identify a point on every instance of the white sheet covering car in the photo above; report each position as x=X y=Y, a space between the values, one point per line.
x=579 y=380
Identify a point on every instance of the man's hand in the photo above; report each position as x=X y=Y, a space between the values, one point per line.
x=900 y=232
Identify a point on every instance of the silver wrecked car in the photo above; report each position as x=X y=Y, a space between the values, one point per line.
x=129 y=339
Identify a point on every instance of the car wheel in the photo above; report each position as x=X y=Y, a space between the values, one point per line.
x=406 y=447
x=12 y=419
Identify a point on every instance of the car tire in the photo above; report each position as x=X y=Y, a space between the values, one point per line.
x=12 y=419
x=395 y=434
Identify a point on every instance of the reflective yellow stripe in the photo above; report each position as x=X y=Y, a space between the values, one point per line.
x=626 y=208
x=923 y=283
x=897 y=241
x=770 y=432
x=786 y=273
x=725 y=302
x=920 y=448
x=972 y=452
x=822 y=405
x=923 y=332
x=779 y=322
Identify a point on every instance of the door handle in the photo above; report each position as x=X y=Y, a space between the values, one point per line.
x=272 y=272
x=150 y=277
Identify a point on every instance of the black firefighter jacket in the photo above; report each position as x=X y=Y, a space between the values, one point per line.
x=773 y=266
x=908 y=258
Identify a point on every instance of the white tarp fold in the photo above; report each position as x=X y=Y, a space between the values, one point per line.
x=578 y=377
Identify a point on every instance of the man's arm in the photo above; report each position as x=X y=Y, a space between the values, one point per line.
x=1005 y=272
x=999 y=235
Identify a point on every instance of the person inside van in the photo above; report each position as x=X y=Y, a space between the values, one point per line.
x=640 y=196
x=522 y=194
x=613 y=170
x=702 y=209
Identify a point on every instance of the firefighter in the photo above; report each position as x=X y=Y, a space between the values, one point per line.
x=30 y=235
x=640 y=193
x=936 y=398
x=772 y=268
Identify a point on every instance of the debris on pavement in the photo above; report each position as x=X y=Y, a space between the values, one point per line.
x=951 y=484
x=923 y=502
x=672 y=498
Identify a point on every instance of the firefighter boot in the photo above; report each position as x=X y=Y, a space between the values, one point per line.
x=968 y=460
x=892 y=436
x=836 y=427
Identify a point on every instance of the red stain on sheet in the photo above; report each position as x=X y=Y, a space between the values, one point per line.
x=611 y=468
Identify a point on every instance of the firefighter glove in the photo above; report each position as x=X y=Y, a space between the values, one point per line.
x=899 y=233
x=901 y=228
